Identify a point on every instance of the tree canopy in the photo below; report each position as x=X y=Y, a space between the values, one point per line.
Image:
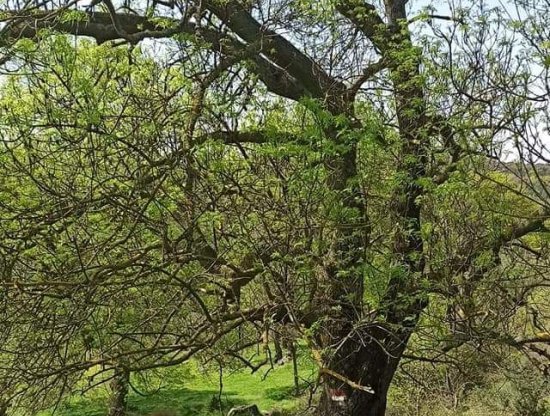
x=185 y=179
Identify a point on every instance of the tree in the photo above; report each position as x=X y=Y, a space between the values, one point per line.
x=92 y=246
x=371 y=84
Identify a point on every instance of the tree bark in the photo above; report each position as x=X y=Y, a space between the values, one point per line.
x=368 y=354
x=119 y=392
x=4 y=406
x=369 y=360
x=294 y=356
x=279 y=355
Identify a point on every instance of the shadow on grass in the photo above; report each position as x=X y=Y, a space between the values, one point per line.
x=284 y=392
x=181 y=401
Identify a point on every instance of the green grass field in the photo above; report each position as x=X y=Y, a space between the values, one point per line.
x=190 y=391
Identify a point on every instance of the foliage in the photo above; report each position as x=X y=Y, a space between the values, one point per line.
x=262 y=176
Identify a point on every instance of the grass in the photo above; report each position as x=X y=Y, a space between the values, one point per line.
x=189 y=391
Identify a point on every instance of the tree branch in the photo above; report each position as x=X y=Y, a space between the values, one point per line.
x=135 y=28
x=98 y=25
x=367 y=74
x=535 y=225
x=365 y=17
x=278 y=49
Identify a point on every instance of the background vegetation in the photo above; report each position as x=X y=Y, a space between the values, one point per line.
x=337 y=207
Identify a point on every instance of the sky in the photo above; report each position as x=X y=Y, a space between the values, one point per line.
x=441 y=7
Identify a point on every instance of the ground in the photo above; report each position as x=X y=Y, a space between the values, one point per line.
x=189 y=390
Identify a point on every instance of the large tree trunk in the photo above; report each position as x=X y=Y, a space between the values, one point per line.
x=367 y=359
x=367 y=354
x=368 y=365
